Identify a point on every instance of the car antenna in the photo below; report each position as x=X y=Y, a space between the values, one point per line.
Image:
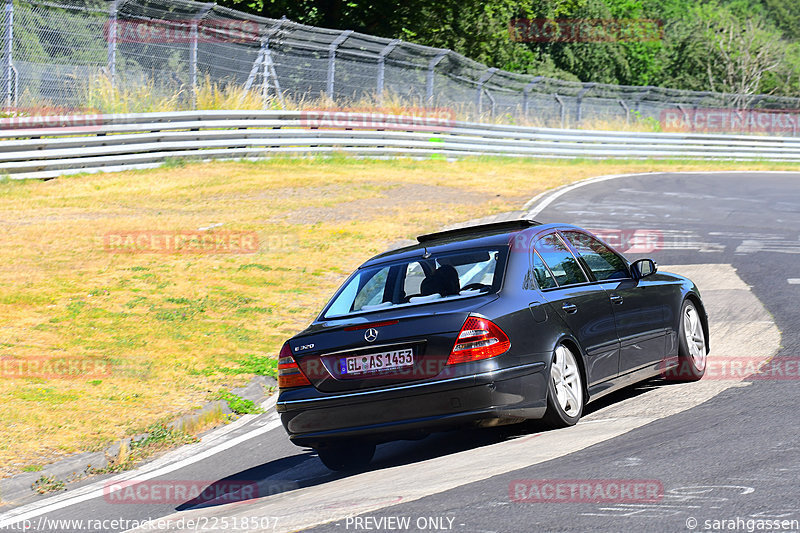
x=427 y=254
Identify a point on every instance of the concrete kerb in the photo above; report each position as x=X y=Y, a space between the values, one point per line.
x=75 y=467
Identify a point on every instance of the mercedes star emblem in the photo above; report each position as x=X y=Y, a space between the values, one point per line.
x=371 y=334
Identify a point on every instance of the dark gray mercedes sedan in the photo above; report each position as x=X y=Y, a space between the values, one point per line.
x=486 y=325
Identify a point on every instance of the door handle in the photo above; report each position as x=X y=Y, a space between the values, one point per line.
x=616 y=299
x=570 y=308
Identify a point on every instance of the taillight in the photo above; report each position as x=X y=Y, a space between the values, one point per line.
x=479 y=338
x=289 y=374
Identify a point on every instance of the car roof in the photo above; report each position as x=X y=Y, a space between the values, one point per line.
x=478 y=236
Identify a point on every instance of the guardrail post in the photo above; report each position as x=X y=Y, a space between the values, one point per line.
x=431 y=71
x=481 y=82
x=579 y=102
x=526 y=93
x=382 y=65
x=193 y=36
x=332 y=59
x=562 y=110
x=112 y=43
x=9 y=59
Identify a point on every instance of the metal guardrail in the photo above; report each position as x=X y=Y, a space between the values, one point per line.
x=106 y=143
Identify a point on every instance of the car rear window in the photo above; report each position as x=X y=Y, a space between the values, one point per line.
x=419 y=281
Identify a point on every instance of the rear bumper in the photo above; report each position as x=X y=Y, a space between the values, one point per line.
x=416 y=409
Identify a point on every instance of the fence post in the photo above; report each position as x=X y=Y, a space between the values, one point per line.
x=481 y=82
x=265 y=64
x=627 y=110
x=268 y=67
x=579 y=102
x=9 y=43
x=741 y=121
x=562 y=110
x=112 y=43
x=264 y=71
x=193 y=50
x=641 y=96
x=494 y=103
x=753 y=103
x=431 y=71
x=526 y=93
x=382 y=65
x=682 y=109
x=332 y=59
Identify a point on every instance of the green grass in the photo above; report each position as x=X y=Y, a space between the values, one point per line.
x=47 y=484
x=237 y=404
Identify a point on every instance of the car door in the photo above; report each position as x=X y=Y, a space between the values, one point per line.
x=584 y=307
x=637 y=304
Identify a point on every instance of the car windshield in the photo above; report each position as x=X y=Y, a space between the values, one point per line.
x=418 y=281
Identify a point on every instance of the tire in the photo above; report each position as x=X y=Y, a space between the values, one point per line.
x=692 y=351
x=565 y=393
x=346 y=456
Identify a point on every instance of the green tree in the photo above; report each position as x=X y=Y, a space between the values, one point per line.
x=727 y=45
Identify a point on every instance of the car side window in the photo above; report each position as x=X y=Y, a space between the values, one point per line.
x=601 y=260
x=544 y=279
x=559 y=258
x=372 y=291
x=413 y=278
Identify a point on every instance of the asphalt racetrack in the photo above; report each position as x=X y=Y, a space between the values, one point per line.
x=724 y=452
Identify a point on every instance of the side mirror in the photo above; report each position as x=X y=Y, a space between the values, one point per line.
x=643 y=268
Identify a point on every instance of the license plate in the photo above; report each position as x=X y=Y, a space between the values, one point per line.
x=376 y=362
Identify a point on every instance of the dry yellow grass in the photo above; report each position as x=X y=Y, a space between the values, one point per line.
x=100 y=94
x=177 y=327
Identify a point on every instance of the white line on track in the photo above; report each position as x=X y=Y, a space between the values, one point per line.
x=99 y=489
x=545 y=198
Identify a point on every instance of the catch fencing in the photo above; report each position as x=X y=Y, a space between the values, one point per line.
x=51 y=52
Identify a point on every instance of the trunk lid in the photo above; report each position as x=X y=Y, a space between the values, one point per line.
x=372 y=350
